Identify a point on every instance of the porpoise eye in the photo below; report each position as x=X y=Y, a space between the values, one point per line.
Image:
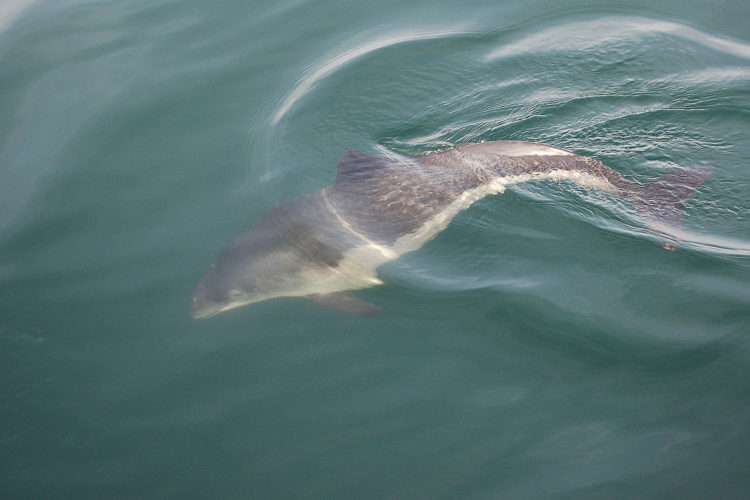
x=235 y=294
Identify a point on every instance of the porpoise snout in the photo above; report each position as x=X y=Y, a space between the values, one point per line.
x=201 y=306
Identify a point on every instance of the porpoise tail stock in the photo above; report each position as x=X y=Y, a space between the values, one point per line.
x=326 y=243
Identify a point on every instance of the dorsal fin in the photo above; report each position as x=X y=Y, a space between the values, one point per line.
x=354 y=164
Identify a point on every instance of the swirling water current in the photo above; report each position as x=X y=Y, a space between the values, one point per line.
x=541 y=346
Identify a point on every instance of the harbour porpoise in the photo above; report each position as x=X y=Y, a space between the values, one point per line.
x=326 y=243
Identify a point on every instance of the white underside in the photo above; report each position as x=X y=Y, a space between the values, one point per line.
x=358 y=268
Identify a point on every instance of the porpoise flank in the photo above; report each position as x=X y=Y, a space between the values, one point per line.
x=323 y=244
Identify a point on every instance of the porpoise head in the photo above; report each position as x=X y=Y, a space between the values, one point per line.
x=221 y=289
x=273 y=259
x=244 y=274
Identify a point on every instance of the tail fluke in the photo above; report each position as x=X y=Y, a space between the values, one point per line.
x=661 y=203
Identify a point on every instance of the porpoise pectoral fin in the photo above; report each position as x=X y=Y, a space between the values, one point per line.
x=346 y=303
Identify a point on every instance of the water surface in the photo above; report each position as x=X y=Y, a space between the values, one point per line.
x=541 y=346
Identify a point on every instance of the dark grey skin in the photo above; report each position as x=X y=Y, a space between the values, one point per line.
x=331 y=241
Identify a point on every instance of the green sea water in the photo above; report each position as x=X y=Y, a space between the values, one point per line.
x=542 y=346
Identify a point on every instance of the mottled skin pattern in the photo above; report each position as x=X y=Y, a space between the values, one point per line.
x=492 y=163
x=333 y=240
x=392 y=198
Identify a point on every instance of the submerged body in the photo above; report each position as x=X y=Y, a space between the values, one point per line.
x=379 y=208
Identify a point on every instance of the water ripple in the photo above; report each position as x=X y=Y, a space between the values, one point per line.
x=587 y=35
x=9 y=11
x=337 y=60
